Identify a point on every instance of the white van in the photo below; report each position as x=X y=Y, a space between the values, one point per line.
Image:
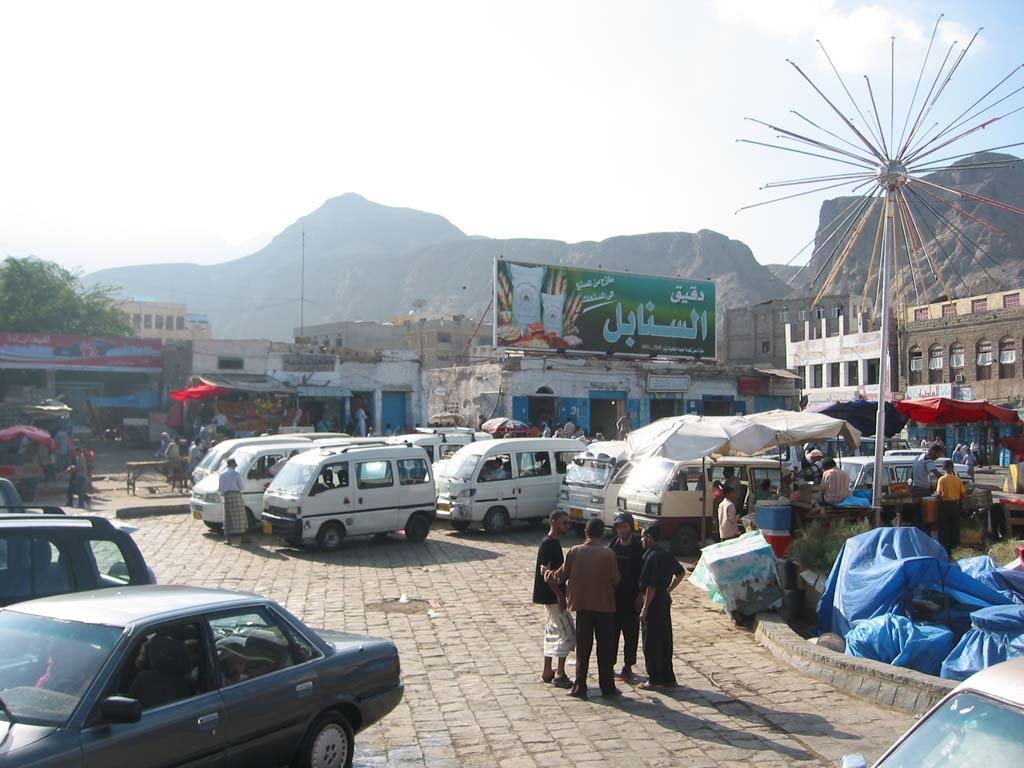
x=214 y=459
x=592 y=483
x=440 y=443
x=322 y=496
x=254 y=465
x=493 y=482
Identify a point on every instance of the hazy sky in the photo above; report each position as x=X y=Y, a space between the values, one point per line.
x=143 y=131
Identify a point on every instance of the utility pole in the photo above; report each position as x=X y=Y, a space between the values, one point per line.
x=302 y=286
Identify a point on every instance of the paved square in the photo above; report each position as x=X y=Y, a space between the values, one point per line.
x=471 y=660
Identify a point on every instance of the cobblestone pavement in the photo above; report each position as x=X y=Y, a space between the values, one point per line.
x=471 y=661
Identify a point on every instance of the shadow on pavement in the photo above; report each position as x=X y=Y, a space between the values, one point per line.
x=390 y=552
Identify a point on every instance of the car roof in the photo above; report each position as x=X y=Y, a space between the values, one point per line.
x=125 y=606
x=512 y=443
x=255 y=450
x=31 y=519
x=359 y=451
x=1002 y=681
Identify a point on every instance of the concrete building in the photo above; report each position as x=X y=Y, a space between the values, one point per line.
x=757 y=335
x=352 y=334
x=594 y=392
x=166 y=321
x=836 y=363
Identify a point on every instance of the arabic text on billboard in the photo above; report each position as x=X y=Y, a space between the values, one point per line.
x=541 y=307
x=44 y=350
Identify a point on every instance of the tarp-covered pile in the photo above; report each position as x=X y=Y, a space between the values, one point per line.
x=740 y=573
x=896 y=598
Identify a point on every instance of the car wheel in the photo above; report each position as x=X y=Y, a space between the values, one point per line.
x=328 y=744
x=214 y=526
x=460 y=526
x=330 y=536
x=418 y=528
x=686 y=540
x=496 y=520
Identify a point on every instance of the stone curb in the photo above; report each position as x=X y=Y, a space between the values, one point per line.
x=155 y=510
x=901 y=689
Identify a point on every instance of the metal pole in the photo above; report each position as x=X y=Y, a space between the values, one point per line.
x=302 y=286
x=883 y=347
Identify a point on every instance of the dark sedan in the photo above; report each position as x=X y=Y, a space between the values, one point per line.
x=181 y=676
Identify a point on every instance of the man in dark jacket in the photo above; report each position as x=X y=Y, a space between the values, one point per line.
x=661 y=574
x=629 y=553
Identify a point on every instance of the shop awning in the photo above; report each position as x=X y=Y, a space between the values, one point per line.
x=246 y=382
x=945 y=410
x=782 y=373
x=198 y=392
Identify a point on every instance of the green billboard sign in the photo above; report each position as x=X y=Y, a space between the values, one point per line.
x=541 y=307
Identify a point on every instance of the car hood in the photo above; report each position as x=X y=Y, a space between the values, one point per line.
x=209 y=484
x=21 y=735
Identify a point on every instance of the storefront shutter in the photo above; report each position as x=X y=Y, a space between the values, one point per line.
x=521 y=409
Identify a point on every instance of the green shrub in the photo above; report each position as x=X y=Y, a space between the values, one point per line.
x=817 y=549
x=1004 y=552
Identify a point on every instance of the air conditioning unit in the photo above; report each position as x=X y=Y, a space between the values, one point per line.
x=960 y=378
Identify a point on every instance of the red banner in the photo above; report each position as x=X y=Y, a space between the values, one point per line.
x=44 y=350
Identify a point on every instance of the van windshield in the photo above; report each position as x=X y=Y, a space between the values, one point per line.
x=293 y=478
x=651 y=475
x=212 y=458
x=462 y=466
x=589 y=472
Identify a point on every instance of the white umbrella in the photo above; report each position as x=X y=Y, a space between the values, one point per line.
x=684 y=438
x=798 y=427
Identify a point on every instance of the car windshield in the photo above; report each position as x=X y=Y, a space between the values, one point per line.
x=293 y=478
x=968 y=731
x=48 y=665
x=589 y=472
x=652 y=475
x=243 y=459
x=212 y=459
x=462 y=465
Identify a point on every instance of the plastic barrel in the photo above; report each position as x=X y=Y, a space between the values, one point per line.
x=930 y=510
x=775 y=520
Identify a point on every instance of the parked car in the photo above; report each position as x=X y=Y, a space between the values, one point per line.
x=978 y=724
x=44 y=555
x=254 y=465
x=440 y=443
x=495 y=482
x=899 y=469
x=673 y=493
x=592 y=482
x=155 y=676
x=323 y=496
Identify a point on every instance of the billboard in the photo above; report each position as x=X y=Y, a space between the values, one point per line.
x=46 y=350
x=540 y=307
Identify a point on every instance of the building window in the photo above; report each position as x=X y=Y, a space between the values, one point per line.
x=801 y=371
x=916 y=365
x=230 y=364
x=921 y=313
x=837 y=311
x=820 y=313
x=160 y=322
x=949 y=310
x=443 y=358
x=444 y=338
x=147 y=321
x=816 y=374
x=956 y=357
x=978 y=306
x=1011 y=301
x=170 y=323
x=766 y=347
x=833 y=374
x=136 y=321
x=852 y=373
x=783 y=315
x=872 y=372
x=935 y=364
x=803 y=315
x=179 y=323
x=983 y=361
x=1007 y=358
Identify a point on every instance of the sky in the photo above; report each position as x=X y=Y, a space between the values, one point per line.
x=193 y=131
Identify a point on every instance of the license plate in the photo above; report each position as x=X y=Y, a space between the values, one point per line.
x=575 y=514
x=268 y=528
x=196 y=515
x=441 y=507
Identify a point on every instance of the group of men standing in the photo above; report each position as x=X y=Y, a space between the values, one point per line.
x=618 y=590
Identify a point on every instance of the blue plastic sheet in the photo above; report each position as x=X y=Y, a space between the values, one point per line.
x=880 y=571
x=1006 y=582
x=898 y=641
x=996 y=634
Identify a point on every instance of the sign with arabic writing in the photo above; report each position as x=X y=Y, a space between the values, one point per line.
x=540 y=307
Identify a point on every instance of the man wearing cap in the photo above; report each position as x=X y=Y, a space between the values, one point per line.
x=813 y=471
x=921 y=475
x=230 y=488
x=629 y=554
x=661 y=574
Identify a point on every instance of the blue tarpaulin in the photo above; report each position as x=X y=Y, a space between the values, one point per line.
x=898 y=641
x=146 y=400
x=1006 y=582
x=996 y=634
x=880 y=571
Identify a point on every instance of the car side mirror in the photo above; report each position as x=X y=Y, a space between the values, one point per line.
x=121 y=709
x=854 y=761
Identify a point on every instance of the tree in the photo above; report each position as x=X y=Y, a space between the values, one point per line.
x=42 y=297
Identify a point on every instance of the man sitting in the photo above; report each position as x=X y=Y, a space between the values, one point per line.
x=835 y=484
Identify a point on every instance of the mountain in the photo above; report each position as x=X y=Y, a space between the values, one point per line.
x=983 y=256
x=785 y=272
x=365 y=261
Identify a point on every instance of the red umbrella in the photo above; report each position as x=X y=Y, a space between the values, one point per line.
x=198 y=392
x=34 y=434
x=945 y=410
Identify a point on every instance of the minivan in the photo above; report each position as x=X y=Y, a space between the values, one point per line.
x=214 y=459
x=322 y=496
x=492 y=483
x=440 y=443
x=255 y=463
x=592 y=483
x=673 y=493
